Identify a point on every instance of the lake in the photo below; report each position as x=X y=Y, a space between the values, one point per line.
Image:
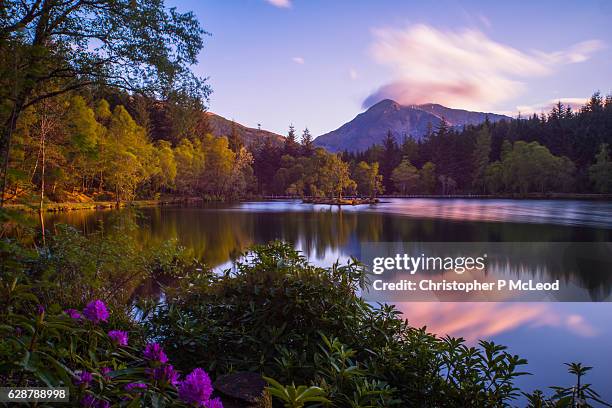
x=546 y=333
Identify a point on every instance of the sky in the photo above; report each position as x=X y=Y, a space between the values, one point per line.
x=317 y=64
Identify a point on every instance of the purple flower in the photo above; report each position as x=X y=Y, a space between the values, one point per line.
x=154 y=352
x=40 y=309
x=104 y=371
x=73 y=313
x=135 y=386
x=165 y=374
x=96 y=311
x=85 y=378
x=118 y=337
x=196 y=389
x=214 y=403
x=90 y=401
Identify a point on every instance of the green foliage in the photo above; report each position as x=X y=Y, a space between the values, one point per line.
x=92 y=151
x=529 y=167
x=427 y=176
x=300 y=324
x=127 y=155
x=369 y=182
x=51 y=49
x=51 y=349
x=295 y=397
x=108 y=264
x=138 y=45
x=405 y=177
x=580 y=395
x=321 y=174
x=600 y=172
x=274 y=313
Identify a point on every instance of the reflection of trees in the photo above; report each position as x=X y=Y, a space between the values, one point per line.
x=218 y=234
x=586 y=265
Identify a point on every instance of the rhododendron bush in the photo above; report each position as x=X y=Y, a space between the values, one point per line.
x=101 y=365
x=65 y=320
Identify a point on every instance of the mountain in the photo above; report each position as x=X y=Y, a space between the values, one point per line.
x=370 y=127
x=221 y=126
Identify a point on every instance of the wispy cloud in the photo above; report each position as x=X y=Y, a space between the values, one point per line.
x=298 y=60
x=465 y=68
x=280 y=3
x=353 y=74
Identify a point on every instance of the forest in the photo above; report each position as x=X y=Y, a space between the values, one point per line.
x=108 y=145
x=124 y=120
x=562 y=151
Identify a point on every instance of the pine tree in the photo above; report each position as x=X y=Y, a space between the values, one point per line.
x=482 y=151
x=291 y=145
x=307 y=143
x=442 y=128
x=390 y=159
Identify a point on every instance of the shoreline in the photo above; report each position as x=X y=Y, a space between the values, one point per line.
x=103 y=205
x=531 y=196
x=108 y=205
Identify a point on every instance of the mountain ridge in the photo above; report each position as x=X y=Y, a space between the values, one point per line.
x=371 y=126
x=221 y=126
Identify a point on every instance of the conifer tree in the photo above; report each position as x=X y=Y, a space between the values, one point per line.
x=307 y=143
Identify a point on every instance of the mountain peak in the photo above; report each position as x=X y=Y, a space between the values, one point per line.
x=384 y=106
x=370 y=127
x=385 y=103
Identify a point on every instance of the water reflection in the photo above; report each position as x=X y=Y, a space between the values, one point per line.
x=547 y=334
x=218 y=234
x=474 y=321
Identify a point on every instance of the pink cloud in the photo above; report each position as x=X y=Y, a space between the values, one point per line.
x=464 y=68
x=474 y=321
x=280 y=3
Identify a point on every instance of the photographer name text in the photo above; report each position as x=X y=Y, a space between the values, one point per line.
x=459 y=286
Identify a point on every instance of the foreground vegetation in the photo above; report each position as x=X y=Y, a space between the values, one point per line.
x=73 y=314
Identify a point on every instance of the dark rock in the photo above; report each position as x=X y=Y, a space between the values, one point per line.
x=242 y=386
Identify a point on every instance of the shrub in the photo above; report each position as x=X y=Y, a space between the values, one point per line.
x=101 y=368
x=275 y=314
x=297 y=323
x=108 y=264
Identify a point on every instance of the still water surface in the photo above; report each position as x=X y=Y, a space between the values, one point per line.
x=547 y=334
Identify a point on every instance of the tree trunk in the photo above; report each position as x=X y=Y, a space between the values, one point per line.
x=42 y=171
x=5 y=147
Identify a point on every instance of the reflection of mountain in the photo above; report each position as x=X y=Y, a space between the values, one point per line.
x=323 y=233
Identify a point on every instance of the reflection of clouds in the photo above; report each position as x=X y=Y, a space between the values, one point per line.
x=474 y=321
x=502 y=210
